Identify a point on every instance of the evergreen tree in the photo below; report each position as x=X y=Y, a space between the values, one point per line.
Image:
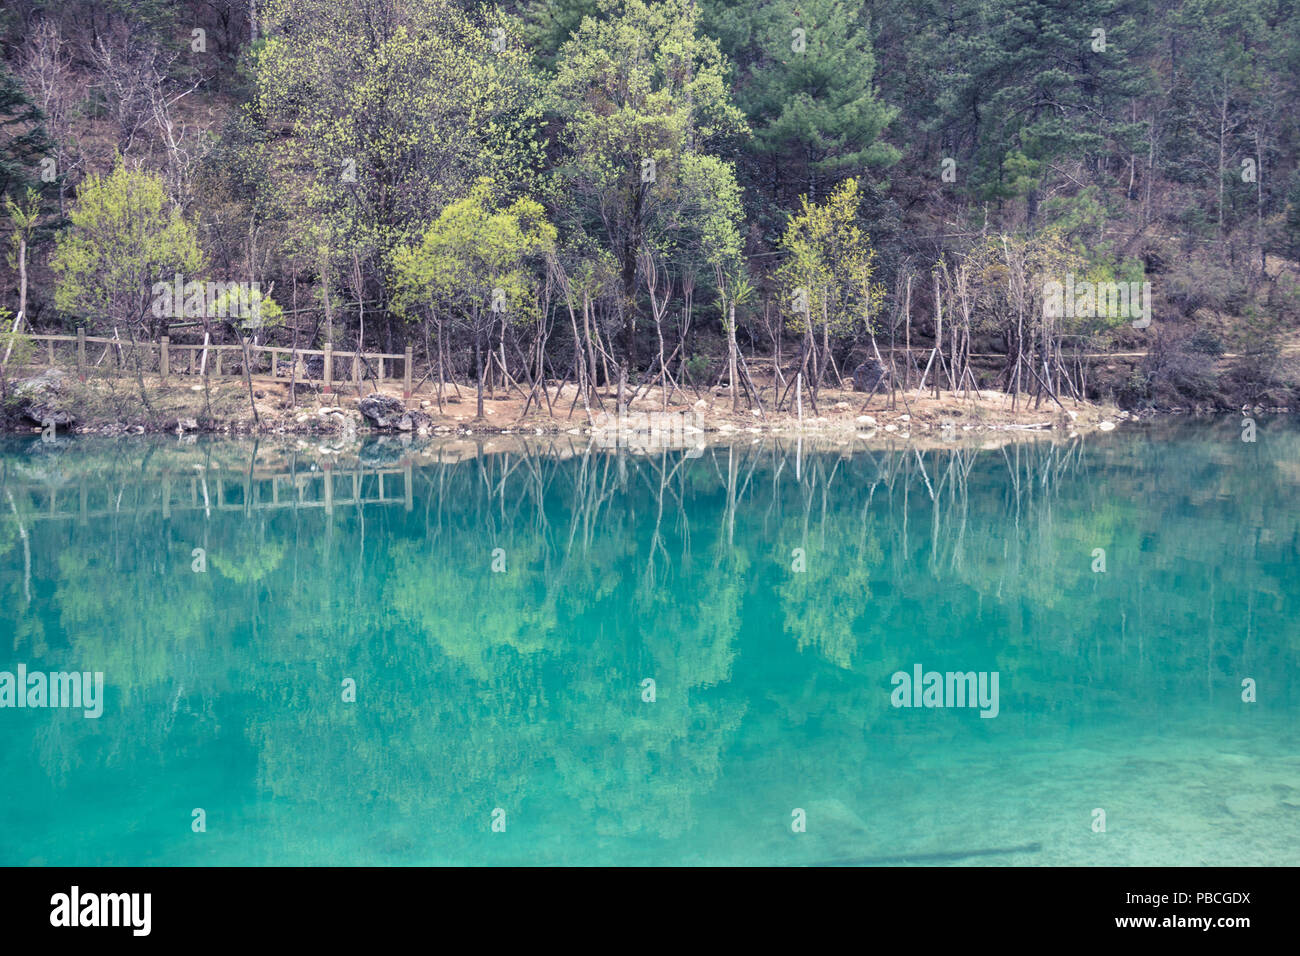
x=1048 y=81
x=23 y=142
x=805 y=80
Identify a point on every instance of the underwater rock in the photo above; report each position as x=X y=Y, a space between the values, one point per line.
x=833 y=820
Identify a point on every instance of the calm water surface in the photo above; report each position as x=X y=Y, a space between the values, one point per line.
x=521 y=694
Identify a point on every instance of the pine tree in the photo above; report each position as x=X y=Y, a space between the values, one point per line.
x=1048 y=80
x=805 y=80
x=23 y=141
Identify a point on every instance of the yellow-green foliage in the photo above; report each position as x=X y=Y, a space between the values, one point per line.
x=125 y=236
x=473 y=250
x=645 y=106
x=830 y=258
x=266 y=312
x=639 y=84
x=391 y=116
x=1008 y=274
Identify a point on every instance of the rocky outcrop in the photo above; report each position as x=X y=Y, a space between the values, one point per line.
x=415 y=421
x=391 y=414
x=45 y=399
x=382 y=411
x=866 y=375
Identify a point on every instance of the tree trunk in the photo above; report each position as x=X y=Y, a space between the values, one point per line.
x=248 y=379
x=22 y=299
x=731 y=357
x=478 y=364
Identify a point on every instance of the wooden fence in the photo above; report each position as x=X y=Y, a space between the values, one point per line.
x=267 y=363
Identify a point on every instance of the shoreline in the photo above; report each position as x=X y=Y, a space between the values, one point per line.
x=223 y=409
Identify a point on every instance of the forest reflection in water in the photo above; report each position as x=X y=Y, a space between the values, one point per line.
x=502 y=606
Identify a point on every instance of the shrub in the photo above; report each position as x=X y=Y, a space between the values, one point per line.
x=697 y=367
x=1177 y=370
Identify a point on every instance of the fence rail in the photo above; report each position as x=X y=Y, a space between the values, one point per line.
x=267 y=363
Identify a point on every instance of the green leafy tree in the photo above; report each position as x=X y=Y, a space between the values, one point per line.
x=125 y=236
x=827 y=276
x=480 y=262
x=24 y=217
x=638 y=91
x=392 y=111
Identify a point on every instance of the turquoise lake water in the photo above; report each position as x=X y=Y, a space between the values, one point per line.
x=768 y=590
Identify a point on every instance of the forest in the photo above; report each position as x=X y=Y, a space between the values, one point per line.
x=668 y=194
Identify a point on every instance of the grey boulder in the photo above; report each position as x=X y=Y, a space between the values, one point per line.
x=44 y=399
x=391 y=414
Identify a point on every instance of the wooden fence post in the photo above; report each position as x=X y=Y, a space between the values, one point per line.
x=328 y=371
x=406 y=382
x=81 y=352
x=356 y=372
x=164 y=360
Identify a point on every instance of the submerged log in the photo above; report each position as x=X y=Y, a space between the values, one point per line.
x=942 y=856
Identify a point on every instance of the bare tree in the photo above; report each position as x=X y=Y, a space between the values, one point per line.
x=126 y=68
x=46 y=69
x=184 y=144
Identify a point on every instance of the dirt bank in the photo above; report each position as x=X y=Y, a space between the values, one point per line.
x=115 y=407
